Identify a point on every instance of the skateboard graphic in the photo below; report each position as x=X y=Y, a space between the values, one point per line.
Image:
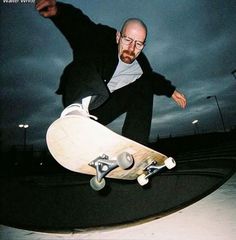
x=85 y=146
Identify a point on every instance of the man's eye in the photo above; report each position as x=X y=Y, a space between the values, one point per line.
x=139 y=44
x=128 y=40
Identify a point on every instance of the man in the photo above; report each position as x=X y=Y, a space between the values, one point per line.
x=109 y=74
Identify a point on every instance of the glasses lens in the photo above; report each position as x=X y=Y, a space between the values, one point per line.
x=139 y=45
x=126 y=40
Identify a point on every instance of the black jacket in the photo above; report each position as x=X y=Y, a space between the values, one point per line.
x=95 y=58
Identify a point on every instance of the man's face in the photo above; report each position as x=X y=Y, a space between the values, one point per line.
x=130 y=42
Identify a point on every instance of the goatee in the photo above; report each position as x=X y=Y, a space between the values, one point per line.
x=127 y=56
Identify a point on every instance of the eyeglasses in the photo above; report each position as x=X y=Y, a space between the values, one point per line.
x=127 y=41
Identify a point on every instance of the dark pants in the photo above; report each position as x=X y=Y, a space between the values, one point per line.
x=136 y=100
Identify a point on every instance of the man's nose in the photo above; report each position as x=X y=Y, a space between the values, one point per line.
x=132 y=46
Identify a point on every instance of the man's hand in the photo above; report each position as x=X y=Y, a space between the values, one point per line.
x=46 y=8
x=179 y=98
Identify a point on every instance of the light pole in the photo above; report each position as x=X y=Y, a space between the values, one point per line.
x=234 y=73
x=195 y=124
x=24 y=126
x=221 y=116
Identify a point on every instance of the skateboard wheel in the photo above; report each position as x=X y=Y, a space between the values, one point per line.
x=125 y=160
x=142 y=180
x=96 y=185
x=170 y=163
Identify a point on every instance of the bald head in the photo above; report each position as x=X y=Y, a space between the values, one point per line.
x=134 y=23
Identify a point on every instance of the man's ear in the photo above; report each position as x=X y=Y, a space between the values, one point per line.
x=118 y=35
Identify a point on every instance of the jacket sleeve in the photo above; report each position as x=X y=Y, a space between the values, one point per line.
x=73 y=24
x=80 y=31
x=160 y=85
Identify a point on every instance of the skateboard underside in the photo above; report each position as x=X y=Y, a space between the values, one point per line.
x=76 y=141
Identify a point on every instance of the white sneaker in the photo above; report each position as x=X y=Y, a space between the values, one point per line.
x=77 y=109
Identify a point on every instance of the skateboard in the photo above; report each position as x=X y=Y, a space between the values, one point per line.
x=83 y=145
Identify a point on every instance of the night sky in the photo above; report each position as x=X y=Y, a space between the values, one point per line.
x=191 y=42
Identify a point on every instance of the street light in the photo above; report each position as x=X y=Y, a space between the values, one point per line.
x=221 y=116
x=195 y=123
x=234 y=73
x=24 y=126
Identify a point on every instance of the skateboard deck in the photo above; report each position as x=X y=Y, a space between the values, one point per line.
x=85 y=146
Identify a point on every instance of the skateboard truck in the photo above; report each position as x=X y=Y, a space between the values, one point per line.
x=153 y=168
x=104 y=165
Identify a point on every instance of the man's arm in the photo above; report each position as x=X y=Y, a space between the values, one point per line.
x=76 y=27
x=162 y=86
x=84 y=36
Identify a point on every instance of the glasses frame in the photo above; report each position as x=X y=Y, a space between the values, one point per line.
x=127 y=41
